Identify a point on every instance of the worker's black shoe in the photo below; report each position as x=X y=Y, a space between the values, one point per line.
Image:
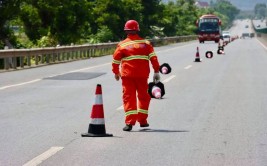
x=144 y=125
x=127 y=128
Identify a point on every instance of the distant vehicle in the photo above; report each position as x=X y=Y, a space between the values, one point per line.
x=226 y=36
x=246 y=26
x=245 y=35
x=209 y=28
x=258 y=26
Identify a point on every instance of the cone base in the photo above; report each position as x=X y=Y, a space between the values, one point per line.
x=95 y=130
x=197 y=60
x=96 y=135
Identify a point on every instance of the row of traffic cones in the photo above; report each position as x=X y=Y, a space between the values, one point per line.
x=156 y=90
x=209 y=54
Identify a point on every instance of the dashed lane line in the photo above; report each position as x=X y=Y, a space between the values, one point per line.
x=42 y=157
x=188 y=67
x=262 y=44
x=169 y=78
x=120 y=108
x=24 y=83
x=174 y=48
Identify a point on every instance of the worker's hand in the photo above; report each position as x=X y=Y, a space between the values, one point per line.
x=117 y=76
x=156 y=77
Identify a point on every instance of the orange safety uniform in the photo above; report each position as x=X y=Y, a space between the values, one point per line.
x=134 y=54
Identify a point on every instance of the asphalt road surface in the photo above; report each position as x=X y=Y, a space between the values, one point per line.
x=214 y=112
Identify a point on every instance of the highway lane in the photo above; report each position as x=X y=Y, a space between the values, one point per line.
x=213 y=112
x=38 y=110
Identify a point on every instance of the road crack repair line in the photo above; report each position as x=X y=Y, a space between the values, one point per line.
x=39 y=79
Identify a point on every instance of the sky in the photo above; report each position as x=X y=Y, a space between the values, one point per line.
x=240 y=4
x=246 y=4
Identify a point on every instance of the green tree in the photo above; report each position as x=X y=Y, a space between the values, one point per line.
x=226 y=8
x=62 y=20
x=260 y=10
x=71 y=21
x=9 y=9
x=47 y=23
x=170 y=19
x=32 y=22
x=114 y=14
x=179 y=18
x=152 y=13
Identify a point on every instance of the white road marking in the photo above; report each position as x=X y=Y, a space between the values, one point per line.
x=24 y=83
x=168 y=79
x=262 y=44
x=39 y=159
x=188 y=67
x=174 y=48
x=120 y=108
x=87 y=68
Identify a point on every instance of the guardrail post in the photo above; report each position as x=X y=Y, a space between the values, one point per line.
x=47 y=59
x=6 y=60
x=29 y=63
x=14 y=64
x=21 y=61
x=53 y=57
x=68 y=56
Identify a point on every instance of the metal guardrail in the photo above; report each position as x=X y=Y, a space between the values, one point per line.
x=259 y=30
x=13 y=59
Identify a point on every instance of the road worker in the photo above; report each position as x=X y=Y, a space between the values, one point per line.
x=131 y=64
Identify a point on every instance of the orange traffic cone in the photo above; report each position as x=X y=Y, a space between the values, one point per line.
x=97 y=125
x=197 y=59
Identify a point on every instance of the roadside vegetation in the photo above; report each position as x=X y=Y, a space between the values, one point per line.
x=42 y=23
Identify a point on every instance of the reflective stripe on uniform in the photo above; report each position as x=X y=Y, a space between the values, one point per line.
x=116 y=61
x=143 y=111
x=144 y=57
x=132 y=112
x=133 y=42
x=151 y=55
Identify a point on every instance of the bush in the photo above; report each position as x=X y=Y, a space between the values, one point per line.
x=46 y=41
x=104 y=34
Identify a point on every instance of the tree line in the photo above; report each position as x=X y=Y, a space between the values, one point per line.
x=41 y=23
x=260 y=11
